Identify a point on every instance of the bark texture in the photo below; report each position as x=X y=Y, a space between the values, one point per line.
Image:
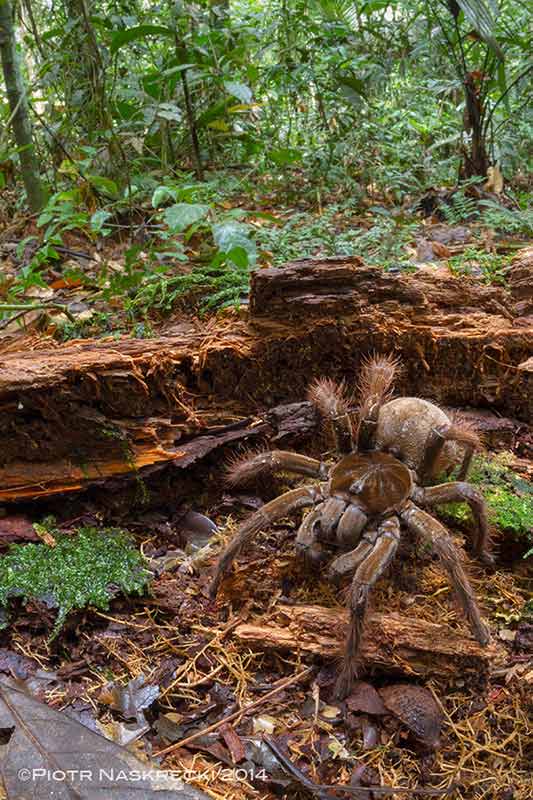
x=82 y=412
x=391 y=642
x=18 y=104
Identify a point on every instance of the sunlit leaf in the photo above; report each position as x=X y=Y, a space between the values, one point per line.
x=161 y=194
x=480 y=16
x=285 y=155
x=229 y=236
x=98 y=220
x=239 y=90
x=181 y=215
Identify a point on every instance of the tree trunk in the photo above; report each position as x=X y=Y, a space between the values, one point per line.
x=191 y=122
x=20 y=118
x=476 y=160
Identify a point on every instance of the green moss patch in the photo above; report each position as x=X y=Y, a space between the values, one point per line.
x=508 y=495
x=85 y=569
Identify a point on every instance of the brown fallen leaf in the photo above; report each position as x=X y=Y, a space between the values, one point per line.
x=49 y=754
x=131 y=700
x=233 y=742
x=415 y=706
x=17 y=527
x=365 y=699
x=440 y=250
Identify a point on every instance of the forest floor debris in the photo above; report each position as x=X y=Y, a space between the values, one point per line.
x=211 y=697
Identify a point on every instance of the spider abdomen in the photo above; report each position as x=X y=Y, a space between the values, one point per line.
x=376 y=482
x=405 y=423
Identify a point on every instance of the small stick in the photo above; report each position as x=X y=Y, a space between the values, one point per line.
x=236 y=714
x=25 y=308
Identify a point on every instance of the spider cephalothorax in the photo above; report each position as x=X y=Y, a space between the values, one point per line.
x=376 y=487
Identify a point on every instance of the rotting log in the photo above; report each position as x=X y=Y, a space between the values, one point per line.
x=91 y=411
x=391 y=642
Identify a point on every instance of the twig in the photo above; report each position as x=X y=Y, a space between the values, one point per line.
x=246 y=710
x=320 y=788
x=23 y=308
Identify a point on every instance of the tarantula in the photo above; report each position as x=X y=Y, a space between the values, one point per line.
x=381 y=482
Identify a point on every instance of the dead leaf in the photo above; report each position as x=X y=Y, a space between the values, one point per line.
x=132 y=699
x=415 y=706
x=16 y=664
x=365 y=699
x=63 y=283
x=424 y=251
x=494 y=180
x=49 y=754
x=233 y=742
x=370 y=734
x=440 y=250
x=17 y=527
x=330 y=712
x=197 y=528
x=507 y=635
x=264 y=724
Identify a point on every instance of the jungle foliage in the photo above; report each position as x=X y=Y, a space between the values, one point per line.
x=178 y=128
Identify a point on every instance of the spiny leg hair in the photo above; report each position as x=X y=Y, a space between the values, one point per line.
x=375 y=388
x=431 y=530
x=333 y=404
x=367 y=573
x=269 y=513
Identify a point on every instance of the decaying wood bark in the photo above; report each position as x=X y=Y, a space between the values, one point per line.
x=391 y=642
x=88 y=411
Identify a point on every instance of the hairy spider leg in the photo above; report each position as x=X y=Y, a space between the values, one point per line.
x=265 y=516
x=332 y=403
x=248 y=467
x=432 y=531
x=460 y=492
x=375 y=386
x=307 y=544
x=367 y=573
x=437 y=438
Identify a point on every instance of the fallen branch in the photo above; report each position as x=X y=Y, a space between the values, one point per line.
x=392 y=642
x=25 y=308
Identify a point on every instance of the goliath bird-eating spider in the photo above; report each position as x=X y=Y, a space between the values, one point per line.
x=383 y=481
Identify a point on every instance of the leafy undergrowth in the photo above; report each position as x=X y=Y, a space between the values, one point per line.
x=200 y=241
x=88 y=568
x=508 y=495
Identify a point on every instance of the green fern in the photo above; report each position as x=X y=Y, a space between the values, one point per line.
x=219 y=284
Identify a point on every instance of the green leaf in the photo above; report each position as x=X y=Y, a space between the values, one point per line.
x=104 y=184
x=161 y=194
x=181 y=215
x=169 y=111
x=239 y=90
x=480 y=16
x=239 y=256
x=502 y=83
x=230 y=236
x=285 y=155
x=121 y=38
x=98 y=220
